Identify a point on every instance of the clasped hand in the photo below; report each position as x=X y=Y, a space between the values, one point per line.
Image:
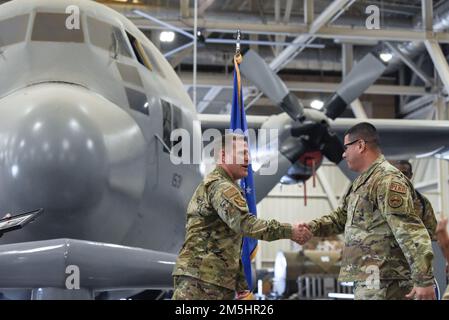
x=301 y=233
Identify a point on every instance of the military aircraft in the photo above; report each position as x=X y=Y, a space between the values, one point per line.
x=87 y=106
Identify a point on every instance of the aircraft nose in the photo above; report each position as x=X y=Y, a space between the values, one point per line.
x=56 y=159
x=53 y=157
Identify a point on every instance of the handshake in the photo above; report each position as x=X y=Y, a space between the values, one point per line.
x=301 y=233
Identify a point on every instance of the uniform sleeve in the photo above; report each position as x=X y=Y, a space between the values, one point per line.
x=429 y=219
x=395 y=202
x=331 y=224
x=232 y=209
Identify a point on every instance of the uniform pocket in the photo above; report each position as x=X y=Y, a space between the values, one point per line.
x=352 y=207
x=363 y=213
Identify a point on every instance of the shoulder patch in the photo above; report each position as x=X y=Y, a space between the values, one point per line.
x=239 y=201
x=395 y=201
x=230 y=192
x=399 y=188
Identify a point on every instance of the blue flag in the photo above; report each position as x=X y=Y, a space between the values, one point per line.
x=238 y=121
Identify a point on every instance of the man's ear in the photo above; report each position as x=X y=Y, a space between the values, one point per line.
x=362 y=146
x=223 y=156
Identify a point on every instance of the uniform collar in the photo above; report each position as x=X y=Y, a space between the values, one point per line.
x=365 y=175
x=222 y=172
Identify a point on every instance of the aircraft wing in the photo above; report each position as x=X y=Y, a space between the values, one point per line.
x=400 y=139
x=96 y=266
x=404 y=139
x=223 y=121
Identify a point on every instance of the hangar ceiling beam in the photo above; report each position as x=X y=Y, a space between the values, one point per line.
x=420 y=73
x=340 y=32
x=204 y=5
x=347 y=56
x=308 y=12
x=288 y=11
x=354 y=33
x=427 y=14
x=298 y=44
x=439 y=61
x=206 y=80
x=295 y=48
x=184 y=8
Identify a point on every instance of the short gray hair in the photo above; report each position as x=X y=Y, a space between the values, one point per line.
x=226 y=142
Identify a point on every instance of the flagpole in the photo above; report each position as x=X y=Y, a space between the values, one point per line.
x=238 y=121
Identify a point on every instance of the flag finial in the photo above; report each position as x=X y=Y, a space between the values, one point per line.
x=237 y=44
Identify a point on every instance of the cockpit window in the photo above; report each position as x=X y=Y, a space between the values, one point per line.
x=137 y=100
x=171 y=120
x=139 y=51
x=153 y=61
x=108 y=37
x=13 y=30
x=54 y=27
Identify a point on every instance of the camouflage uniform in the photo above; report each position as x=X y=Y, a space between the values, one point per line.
x=425 y=210
x=188 y=288
x=217 y=219
x=384 y=237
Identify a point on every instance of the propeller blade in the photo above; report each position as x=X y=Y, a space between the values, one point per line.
x=256 y=70
x=361 y=77
x=333 y=148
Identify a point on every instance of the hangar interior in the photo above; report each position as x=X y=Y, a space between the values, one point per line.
x=412 y=37
x=414 y=86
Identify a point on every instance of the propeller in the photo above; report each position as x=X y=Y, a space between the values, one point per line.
x=360 y=78
x=266 y=80
x=311 y=126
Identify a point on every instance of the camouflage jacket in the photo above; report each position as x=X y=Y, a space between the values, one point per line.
x=217 y=220
x=383 y=234
x=425 y=211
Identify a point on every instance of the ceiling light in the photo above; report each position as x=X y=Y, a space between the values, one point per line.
x=317 y=104
x=386 y=56
x=167 y=36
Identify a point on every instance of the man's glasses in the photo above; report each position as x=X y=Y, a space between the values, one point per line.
x=346 y=146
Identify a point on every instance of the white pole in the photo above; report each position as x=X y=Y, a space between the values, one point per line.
x=195 y=34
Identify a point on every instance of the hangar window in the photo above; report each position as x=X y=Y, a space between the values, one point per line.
x=13 y=30
x=137 y=100
x=52 y=27
x=172 y=120
x=108 y=37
